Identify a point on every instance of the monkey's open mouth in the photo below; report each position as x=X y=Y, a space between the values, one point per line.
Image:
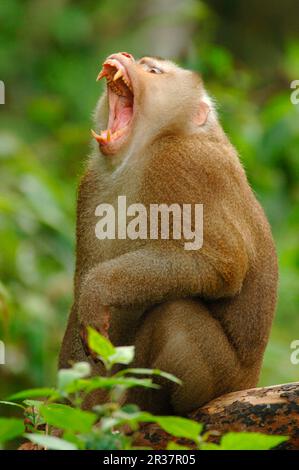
x=121 y=100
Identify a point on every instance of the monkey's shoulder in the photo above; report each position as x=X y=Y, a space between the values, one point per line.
x=195 y=164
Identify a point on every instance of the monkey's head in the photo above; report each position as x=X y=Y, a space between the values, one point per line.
x=145 y=98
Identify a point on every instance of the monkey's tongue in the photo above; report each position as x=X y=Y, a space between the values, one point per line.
x=120 y=114
x=122 y=118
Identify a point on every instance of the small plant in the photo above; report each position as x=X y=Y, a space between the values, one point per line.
x=103 y=428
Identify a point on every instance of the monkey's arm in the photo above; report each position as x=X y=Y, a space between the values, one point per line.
x=148 y=276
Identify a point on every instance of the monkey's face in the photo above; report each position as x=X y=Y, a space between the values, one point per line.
x=143 y=98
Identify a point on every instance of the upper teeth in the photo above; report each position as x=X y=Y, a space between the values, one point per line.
x=118 y=74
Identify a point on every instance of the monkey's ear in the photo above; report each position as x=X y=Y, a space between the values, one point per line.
x=202 y=113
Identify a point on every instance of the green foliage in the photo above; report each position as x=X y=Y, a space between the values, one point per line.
x=50 y=54
x=180 y=427
x=10 y=428
x=51 y=442
x=67 y=418
x=32 y=393
x=250 y=441
x=104 y=426
x=110 y=355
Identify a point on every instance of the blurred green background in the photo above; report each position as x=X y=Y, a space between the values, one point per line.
x=50 y=54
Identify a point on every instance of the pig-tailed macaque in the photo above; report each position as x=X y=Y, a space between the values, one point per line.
x=202 y=314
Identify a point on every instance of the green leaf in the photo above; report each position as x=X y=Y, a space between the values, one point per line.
x=174 y=425
x=250 y=441
x=180 y=427
x=66 y=377
x=209 y=446
x=69 y=386
x=74 y=386
x=10 y=428
x=68 y=418
x=123 y=355
x=120 y=417
x=100 y=345
x=143 y=371
x=74 y=439
x=51 y=442
x=34 y=403
x=83 y=369
x=33 y=393
x=125 y=382
x=94 y=383
x=174 y=446
x=11 y=403
x=129 y=409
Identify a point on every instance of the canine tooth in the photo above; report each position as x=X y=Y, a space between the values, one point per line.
x=108 y=135
x=101 y=75
x=117 y=75
x=96 y=136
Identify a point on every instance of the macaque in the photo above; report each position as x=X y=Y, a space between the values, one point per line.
x=202 y=314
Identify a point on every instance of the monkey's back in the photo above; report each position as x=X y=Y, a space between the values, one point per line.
x=207 y=170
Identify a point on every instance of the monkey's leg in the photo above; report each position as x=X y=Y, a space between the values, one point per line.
x=181 y=337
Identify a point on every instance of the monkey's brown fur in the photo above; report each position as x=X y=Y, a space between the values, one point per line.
x=202 y=315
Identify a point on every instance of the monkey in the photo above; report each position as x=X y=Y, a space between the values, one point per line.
x=202 y=315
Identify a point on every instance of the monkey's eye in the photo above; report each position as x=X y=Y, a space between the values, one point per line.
x=150 y=68
x=154 y=70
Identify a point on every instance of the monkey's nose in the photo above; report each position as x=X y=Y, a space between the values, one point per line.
x=126 y=54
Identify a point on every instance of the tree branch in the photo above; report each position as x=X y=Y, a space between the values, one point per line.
x=269 y=410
